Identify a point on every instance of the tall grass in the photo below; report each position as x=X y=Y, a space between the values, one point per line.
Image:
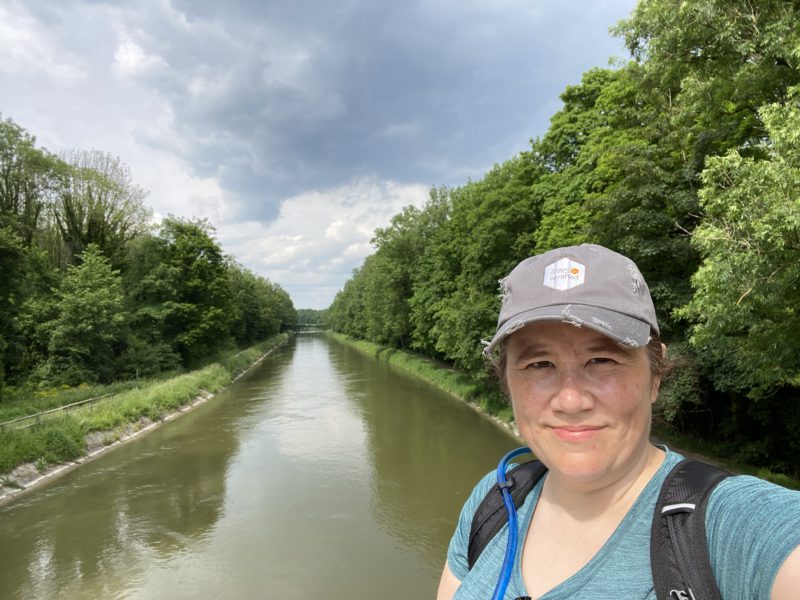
x=64 y=438
x=29 y=400
x=154 y=401
x=49 y=443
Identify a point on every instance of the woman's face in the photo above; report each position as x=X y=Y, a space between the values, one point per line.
x=581 y=401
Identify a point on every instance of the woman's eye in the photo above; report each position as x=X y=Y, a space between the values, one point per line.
x=539 y=364
x=602 y=360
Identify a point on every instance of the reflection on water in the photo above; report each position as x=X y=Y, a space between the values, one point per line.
x=426 y=450
x=321 y=473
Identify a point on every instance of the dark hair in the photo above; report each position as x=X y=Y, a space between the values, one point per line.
x=658 y=361
x=655 y=356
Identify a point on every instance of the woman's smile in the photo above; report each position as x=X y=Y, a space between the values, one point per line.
x=577 y=434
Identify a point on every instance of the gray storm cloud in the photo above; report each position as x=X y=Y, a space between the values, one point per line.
x=237 y=107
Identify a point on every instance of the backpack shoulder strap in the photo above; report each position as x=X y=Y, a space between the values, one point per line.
x=491 y=514
x=678 y=549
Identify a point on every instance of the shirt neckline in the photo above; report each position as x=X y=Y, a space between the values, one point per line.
x=577 y=580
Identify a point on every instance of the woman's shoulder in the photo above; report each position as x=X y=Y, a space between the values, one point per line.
x=748 y=493
x=752 y=526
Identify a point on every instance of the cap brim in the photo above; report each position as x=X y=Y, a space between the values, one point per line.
x=624 y=329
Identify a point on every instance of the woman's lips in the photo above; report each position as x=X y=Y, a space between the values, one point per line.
x=576 y=433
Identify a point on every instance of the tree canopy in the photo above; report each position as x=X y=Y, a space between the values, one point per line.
x=91 y=292
x=684 y=158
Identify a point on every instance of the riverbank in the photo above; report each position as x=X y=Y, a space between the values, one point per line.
x=39 y=454
x=442 y=376
x=461 y=386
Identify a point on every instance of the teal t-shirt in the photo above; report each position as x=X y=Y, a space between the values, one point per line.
x=752 y=526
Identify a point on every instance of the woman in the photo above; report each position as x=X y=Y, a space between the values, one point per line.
x=577 y=350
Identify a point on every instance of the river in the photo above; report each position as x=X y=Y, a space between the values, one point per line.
x=321 y=473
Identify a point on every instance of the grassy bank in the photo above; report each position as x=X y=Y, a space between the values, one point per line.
x=63 y=439
x=29 y=400
x=448 y=379
x=439 y=374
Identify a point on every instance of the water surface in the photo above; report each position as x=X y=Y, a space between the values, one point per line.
x=322 y=473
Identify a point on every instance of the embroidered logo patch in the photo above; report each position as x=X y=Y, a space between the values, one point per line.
x=564 y=274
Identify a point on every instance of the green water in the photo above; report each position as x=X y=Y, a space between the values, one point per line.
x=321 y=473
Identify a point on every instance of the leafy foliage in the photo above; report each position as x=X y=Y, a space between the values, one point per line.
x=312 y=316
x=744 y=310
x=88 y=292
x=98 y=203
x=88 y=327
x=28 y=178
x=685 y=159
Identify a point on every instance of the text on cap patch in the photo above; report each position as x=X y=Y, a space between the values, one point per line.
x=564 y=274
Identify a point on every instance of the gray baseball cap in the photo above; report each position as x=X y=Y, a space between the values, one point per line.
x=587 y=286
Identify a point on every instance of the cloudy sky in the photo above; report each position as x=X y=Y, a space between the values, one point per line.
x=297 y=126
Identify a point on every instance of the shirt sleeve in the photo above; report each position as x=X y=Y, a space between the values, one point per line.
x=459 y=543
x=752 y=527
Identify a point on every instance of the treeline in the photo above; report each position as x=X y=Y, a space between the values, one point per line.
x=90 y=292
x=312 y=316
x=686 y=159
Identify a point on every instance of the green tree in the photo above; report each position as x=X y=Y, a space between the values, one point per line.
x=568 y=154
x=12 y=267
x=703 y=69
x=88 y=330
x=195 y=291
x=744 y=308
x=647 y=202
x=744 y=312
x=28 y=178
x=149 y=283
x=98 y=203
x=346 y=312
x=716 y=63
x=487 y=231
x=312 y=316
x=388 y=278
x=260 y=307
x=435 y=272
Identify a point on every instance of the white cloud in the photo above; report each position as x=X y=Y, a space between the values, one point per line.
x=175 y=190
x=130 y=60
x=26 y=49
x=319 y=237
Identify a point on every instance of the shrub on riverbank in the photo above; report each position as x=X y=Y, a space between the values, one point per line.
x=51 y=442
x=63 y=438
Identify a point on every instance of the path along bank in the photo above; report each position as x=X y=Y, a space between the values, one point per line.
x=460 y=385
x=85 y=435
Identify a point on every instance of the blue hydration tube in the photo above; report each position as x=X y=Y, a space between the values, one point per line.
x=511 y=546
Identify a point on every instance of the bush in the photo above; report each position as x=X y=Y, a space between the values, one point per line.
x=51 y=442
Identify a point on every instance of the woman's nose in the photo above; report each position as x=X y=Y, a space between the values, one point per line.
x=572 y=394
